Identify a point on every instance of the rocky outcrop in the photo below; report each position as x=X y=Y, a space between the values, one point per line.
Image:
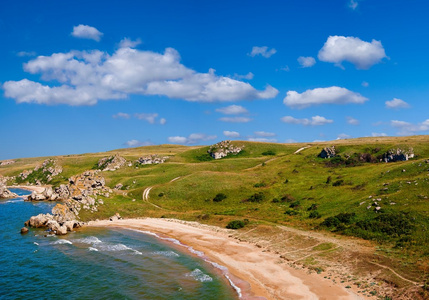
x=151 y=159
x=328 y=152
x=398 y=154
x=4 y=192
x=115 y=217
x=43 y=173
x=223 y=149
x=111 y=163
x=61 y=220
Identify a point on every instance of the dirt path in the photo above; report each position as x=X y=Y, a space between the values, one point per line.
x=300 y=149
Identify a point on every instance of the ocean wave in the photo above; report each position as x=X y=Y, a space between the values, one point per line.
x=62 y=242
x=93 y=249
x=166 y=253
x=117 y=247
x=198 y=275
x=88 y=240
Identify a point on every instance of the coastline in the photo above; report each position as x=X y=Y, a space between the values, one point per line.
x=258 y=273
x=38 y=189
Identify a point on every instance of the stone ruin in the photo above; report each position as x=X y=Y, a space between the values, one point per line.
x=223 y=149
x=328 y=152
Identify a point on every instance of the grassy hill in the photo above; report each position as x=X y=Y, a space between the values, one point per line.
x=272 y=184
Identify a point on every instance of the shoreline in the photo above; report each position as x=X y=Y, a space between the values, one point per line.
x=258 y=273
x=32 y=188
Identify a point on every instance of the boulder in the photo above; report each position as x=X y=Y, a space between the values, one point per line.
x=24 y=230
x=40 y=220
x=223 y=149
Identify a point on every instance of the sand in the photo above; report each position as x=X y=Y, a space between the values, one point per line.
x=259 y=274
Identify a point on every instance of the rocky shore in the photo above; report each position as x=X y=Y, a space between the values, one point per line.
x=4 y=192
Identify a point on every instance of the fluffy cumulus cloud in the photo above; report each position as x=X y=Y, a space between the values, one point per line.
x=137 y=143
x=248 y=76
x=314 y=121
x=86 y=77
x=378 y=134
x=264 y=133
x=396 y=104
x=329 y=95
x=352 y=49
x=263 y=51
x=232 y=110
x=86 y=32
x=235 y=119
x=193 y=138
x=121 y=115
x=352 y=121
x=306 y=62
x=263 y=140
x=406 y=128
x=231 y=134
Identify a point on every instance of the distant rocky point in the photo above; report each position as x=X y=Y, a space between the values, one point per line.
x=6 y=162
x=4 y=192
x=45 y=173
x=223 y=149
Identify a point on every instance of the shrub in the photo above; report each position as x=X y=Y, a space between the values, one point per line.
x=287 y=198
x=275 y=200
x=236 y=224
x=269 y=152
x=260 y=184
x=286 y=181
x=312 y=207
x=315 y=215
x=291 y=212
x=219 y=197
x=328 y=180
x=338 y=182
x=295 y=204
x=257 y=197
x=204 y=157
x=161 y=194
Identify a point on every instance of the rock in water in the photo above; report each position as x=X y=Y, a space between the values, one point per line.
x=24 y=230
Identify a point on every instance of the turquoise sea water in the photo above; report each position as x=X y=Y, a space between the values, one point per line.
x=97 y=263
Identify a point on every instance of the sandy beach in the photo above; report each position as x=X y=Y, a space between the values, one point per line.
x=258 y=273
x=32 y=188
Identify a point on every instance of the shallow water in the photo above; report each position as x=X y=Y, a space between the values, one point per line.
x=97 y=263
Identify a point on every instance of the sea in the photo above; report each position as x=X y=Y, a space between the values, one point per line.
x=99 y=263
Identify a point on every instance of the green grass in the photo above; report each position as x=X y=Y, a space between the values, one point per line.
x=274 y=172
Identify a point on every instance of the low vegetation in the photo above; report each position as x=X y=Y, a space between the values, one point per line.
x=351 y=194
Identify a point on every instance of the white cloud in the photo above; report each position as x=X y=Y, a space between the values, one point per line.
x=306 y=62
x=235 y=119
x=352 y=49
x=314 y=121
x=85 y=77
x=193 y=138
x=352 y=121
x=232 y=110
x=290 y=141
x=329 y=95
x=231 y=134
x=128 y=43
x=378 y=134
x=262 y=51
x=25 y=53
x=365 y=84
x=409 y=128
x=396 y=104
x=87 y=32
x=162 y=121
x=248 y=76
x=121 y=115
x=286 y=69
x=353 y=4
x=343 y=136
x=264 y=140
x=264 y=133
x=137 y=143
x=147 y=117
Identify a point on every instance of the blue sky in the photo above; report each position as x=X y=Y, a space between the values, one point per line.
x=89 y=76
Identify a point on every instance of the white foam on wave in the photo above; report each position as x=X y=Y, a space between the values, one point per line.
x=117 y=247
x=62 y=242
x=166 y=253
x=198 y=275
x=93 y=249
x=37 y=244
x=89 y=240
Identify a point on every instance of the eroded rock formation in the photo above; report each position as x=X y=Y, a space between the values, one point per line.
x=223 y=149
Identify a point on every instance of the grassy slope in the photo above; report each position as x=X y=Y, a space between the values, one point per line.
x=300 y=177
